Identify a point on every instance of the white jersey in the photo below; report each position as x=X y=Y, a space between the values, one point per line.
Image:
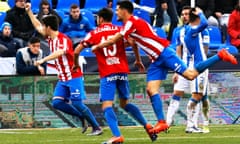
x=200 y=83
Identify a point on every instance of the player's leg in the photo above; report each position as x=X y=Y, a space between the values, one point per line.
x=202 y=66
x=61 y=102
x=155 y=74
x=77 y=92
x=205 y=110
x=180 y=85
x=107 y=92
x=173 y=106
x=133 y=110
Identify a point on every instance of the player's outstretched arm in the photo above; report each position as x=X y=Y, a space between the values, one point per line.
x=36 y=23
x=108 y=42
x=52 y=56
x=77 y=51
x=138 y=61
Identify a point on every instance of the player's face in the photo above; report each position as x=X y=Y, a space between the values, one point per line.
x=20 y=3
x=185 y=16
x=34 y=48
x=120 y=13
x=7 y=31
x=75 y=13
x=99 y=20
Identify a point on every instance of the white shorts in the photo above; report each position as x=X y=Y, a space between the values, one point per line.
x=198 y=85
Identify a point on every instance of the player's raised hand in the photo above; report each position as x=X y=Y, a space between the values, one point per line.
x=28 y=7
x=197 y=11
x=140 y=66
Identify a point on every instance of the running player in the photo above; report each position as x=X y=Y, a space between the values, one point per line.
x=70 y=85
x=181 y=84
x=113 y=70
x=163 y=57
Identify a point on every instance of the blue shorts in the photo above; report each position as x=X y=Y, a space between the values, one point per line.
x=71 y=90
x=110 y=83
x=167 y=60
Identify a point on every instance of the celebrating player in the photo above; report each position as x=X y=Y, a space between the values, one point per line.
x=163 y=57
x=70 y=85
x=113 y=70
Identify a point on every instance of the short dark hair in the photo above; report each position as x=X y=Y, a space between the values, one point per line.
x=51 y=21
x=192 y=16
x=127 y=5
x=34 y=40
x=106 y=14
x=74 y=6
x=186 y=7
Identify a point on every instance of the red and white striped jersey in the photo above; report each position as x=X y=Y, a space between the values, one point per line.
x=112 y=59
x=64 y=63
x=144 y=36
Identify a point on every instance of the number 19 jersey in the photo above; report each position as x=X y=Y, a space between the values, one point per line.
x=111 y=59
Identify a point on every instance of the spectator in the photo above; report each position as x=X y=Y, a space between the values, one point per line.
x=45 y=10
x=76 y=26
x=4 y=6
x=208 y=7
x=27 y=56
x=7 y=42
x=170 y=7
x=222 y=12
x=234 y=27
x=22 y=28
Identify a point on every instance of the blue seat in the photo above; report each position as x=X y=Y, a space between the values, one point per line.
x=35 y=5
x=89 y=15
x=231 y=48
x=115 y=21
x=11 y=3
x=149 y=3
x=87 y=52
x=215 y=37
x=61 y=14
x=95 y=5
x=2 y=17
x=142 y=14
x=160 y=32
x=64 y=5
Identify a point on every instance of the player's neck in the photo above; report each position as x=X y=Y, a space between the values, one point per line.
x=127 y=18
x=54 y=34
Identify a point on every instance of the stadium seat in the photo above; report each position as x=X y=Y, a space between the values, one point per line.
x=160 y=32
x=215 y=37
x=87 y=52
x=88 y=14
x=150 y=3
x=95 y=5
x=115 y=21
x=64 y=5
x=11 y=3
x=231 y=48
x=61 y=14
x=35 y=5
x=2 y=17
x=142 y=14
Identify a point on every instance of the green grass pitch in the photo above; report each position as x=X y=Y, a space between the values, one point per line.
x=220 y=134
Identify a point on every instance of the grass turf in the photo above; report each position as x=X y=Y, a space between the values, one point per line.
x=220 y=134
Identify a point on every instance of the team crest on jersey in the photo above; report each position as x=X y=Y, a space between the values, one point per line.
x=200 y=85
